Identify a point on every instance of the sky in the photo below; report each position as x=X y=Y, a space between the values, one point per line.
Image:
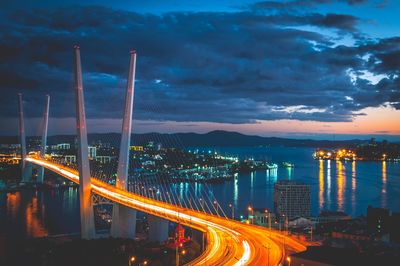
x=296 y=68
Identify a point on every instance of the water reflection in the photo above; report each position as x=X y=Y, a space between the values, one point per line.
x=33 y=213
x=235 y=190
x=13 y=203
x=353 y=185
x=328 y=182
x=289 y=172
x=384 y=181
x=321 y=184
x=341 y=184
x=272 y=175
x=252 y=176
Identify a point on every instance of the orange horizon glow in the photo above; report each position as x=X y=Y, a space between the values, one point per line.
x=375 y=121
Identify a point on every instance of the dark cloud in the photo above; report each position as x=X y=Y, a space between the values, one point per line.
x=295 y=4
x=345 y=22
x=218 y=67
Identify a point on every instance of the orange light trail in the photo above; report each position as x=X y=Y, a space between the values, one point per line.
x=229 y=242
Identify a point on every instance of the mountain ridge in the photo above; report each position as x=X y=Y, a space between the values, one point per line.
x=213 y=138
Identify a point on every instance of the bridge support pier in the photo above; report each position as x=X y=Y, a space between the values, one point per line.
x=40 y=177
x=123 y=222
x=158 y=229
x=26 y=172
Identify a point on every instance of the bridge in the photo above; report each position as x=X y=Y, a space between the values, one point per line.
x=228 y=242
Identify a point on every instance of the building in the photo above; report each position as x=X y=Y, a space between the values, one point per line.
x=69 y=159
x=103 y=159
x=136 y=148
x=332 y=216
x=262 y=216
x=92 y=152
x=378 y=220
x=61 y=146
x=292 y=199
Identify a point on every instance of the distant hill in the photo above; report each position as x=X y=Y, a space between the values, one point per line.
x=214 y=138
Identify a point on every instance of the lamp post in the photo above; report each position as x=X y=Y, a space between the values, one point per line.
x=268 y=248
x=250 y=209
x=132 y=260
x=268 y=216
x=289 y=260
x=233 y=211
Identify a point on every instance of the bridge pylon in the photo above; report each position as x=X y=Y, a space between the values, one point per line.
x=86 y=207
x=25 y=166
x=40 y=176
x=124 y=218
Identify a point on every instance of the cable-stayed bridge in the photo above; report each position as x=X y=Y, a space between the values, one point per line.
x=228 y=242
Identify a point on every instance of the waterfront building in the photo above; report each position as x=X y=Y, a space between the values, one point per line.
x=292 y=199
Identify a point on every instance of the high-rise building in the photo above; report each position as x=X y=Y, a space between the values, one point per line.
x=292 y=199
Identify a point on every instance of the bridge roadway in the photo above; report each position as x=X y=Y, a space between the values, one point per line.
x=229 y=242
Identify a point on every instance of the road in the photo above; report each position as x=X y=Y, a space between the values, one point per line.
x=229 y=242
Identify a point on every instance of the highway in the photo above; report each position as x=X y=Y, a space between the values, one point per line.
x=229 y=242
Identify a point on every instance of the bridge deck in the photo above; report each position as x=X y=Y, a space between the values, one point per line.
x=229 y=242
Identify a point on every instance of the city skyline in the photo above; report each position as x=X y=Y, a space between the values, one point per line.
x=289 y=69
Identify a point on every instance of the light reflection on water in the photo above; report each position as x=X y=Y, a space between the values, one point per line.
x=328 y=192
x=321 y=184
x=30 y=213
x=347 y=186
x=35 y=218
x=384 y=181
x=341 y=184
x=335 y=185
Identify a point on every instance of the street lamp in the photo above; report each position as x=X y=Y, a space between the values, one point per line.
x=132 y=260
x=268 y=248
x=289 y=260
x=268 y=215
x=250 y=209
x=233 y=211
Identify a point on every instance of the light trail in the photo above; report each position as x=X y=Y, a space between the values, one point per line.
x=229 y=242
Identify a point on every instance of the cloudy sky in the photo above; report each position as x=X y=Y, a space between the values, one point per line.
x=294 y=68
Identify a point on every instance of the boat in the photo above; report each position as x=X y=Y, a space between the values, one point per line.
x=288 y=165
x=271 y=166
